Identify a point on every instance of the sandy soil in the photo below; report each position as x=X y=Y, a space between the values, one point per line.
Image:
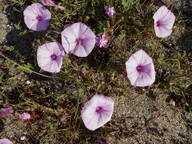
x=144 y=118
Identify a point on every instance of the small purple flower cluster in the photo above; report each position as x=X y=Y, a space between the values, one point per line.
x=5 y=111
x=23 y=116
x=102 y=40
x=110 y=11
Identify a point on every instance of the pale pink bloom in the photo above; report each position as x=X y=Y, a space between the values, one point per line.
x=5 y=141
x=25 y=116
x=140 y=69
x=110 y=11
x=163 y=22
x=37 y=17
x=97 y=111
x=78 y=39
x=50 y=57
x=51 y=3
x=102 y=40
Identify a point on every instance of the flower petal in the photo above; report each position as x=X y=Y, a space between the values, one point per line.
x=163 y=22
x=93 y=119
x=146 y=75
x=162 y=31
x=44 y=59
x=30 y=17
x=160 y=13
x=75 y=32
x=5 y=141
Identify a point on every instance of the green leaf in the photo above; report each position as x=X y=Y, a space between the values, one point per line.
x=26 y=68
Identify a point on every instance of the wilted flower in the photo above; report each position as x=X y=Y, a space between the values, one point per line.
x=37 y=17
x=140 y=69
x=78 y=39
x=63 y=118
x=25 y=116
x=163 y=22
x=102 y=141
x=110 y=11
x=101 y=40
x=97 y=111
x=5 y=141
x=50 y=56
x=51 y=3
x=5 y=111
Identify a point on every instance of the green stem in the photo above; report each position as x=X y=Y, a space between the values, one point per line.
x=77 y=97
x=40 y=74
x=24 y=67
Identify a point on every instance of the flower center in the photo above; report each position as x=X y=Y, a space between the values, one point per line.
x=99 y=109
x=54 y=57
x=140 y=68
x=79 y=41
x=110 y=9
x=39 y=18
x=102 y=41
x=159 y=23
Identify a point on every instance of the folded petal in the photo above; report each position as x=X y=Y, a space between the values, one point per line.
x=160 y=13
x=163 y=22
x=50 y=56
x=48 y=3
x=36 y=17
x=162 y=31
x=143 y=80
x=78 y=39
x=140 y=69
x=97 y=111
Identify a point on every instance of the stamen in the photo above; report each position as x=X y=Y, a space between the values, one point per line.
x=54 y=57
x=39 y=18
x=140 y=68
x=99 y=109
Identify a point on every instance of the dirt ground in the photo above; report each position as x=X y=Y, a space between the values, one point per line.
x=143 y=117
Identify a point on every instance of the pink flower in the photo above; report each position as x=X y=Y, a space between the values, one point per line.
x=101 y=40
x=51 y=3
x=5 y=141
x=50 y=57
x=78 y=39
x=25 y=116
x=97 y=111
x=37 y=17
x=140 y=69
x=110 y=11
x=163 y=22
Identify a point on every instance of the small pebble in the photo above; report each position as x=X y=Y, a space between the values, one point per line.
x=23 y=138
x=28 y=82
x=173 y=103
